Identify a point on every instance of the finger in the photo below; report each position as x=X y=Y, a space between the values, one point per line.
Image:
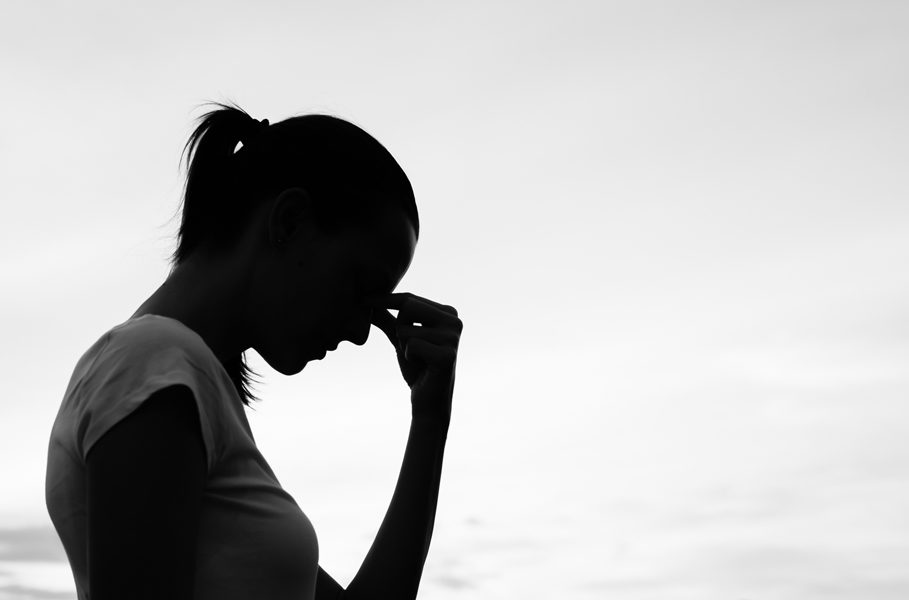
x=398 y=300
x=442 y=337
x=385 y=321
x=430 y=354
x=414 y=309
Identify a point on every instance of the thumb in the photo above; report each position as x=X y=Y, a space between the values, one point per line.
x=385 y=321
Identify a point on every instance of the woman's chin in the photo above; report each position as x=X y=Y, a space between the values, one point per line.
x=291 y=365
x=288 y=355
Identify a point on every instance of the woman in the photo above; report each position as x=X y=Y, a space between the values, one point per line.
x=293 y=238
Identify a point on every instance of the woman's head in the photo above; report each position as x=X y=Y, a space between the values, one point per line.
x=323 y=211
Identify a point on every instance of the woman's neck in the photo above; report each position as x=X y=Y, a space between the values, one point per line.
x=205 y=296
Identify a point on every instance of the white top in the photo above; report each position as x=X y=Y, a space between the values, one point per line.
x=254 y=541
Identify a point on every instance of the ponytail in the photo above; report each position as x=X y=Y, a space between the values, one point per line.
x=213 y=180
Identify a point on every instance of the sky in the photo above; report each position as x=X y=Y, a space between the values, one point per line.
x=676 y=233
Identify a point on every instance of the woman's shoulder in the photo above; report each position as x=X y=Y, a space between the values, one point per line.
x=151 y=330
x=150 y=347
x=134 y=361
x=151 y=336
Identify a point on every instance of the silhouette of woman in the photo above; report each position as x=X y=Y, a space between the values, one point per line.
x=293 y=238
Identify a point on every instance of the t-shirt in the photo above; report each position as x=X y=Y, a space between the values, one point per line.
x=254 y=541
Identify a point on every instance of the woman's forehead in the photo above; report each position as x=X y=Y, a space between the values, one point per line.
x=393 y=237
x=388 y=254
x=378 y=276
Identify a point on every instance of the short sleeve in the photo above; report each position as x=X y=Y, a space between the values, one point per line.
x=128 y=373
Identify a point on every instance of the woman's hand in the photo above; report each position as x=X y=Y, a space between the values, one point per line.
x=427 y=353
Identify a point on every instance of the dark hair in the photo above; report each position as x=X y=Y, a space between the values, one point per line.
x=235 y=162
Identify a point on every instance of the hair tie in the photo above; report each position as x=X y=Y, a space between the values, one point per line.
x=253 y=132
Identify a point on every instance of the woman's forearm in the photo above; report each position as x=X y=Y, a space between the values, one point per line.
x=394 y=564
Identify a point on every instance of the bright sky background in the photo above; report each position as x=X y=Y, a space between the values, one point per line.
x=676 y=233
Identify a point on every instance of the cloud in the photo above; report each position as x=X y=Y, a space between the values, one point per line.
x=29 y=544
x=18 y=592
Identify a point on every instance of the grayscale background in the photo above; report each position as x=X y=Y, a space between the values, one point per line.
x=676 y=232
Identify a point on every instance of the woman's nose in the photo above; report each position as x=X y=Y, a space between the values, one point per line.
x=358 y=328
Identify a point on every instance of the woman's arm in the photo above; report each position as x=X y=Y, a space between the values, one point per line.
x=145 y=479
x=425 y=335
x=394 y=564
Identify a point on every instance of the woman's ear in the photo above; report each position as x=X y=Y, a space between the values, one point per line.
x=289 y=211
